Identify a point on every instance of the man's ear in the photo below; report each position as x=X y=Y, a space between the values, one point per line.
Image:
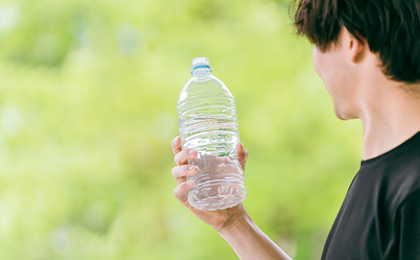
x=358 y=47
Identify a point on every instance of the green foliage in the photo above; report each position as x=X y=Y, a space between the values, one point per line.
x=88 y=91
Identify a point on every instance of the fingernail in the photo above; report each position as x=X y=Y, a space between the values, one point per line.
x=189 y=184
x=173 y=141
x=191 y=168
x=191 y=152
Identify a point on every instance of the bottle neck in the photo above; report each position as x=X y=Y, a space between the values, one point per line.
x=201 y=70
x=201 y=73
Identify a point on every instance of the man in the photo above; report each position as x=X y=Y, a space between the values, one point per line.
x=368 y=54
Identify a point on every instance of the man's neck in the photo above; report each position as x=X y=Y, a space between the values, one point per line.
x=390 y=116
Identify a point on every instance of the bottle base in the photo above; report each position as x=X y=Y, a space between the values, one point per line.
x=217 y=196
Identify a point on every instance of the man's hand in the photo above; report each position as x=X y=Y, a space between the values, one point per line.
x=233 y=224
x=218 y=219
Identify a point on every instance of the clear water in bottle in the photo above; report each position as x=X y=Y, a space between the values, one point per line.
x=208 y=124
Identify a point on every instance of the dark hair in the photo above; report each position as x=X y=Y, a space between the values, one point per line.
x=391 y=28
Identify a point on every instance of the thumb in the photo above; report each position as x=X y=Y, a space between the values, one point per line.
x=242 y=154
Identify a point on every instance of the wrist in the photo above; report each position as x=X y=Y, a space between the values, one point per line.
x=248 y=241
x=236 y=225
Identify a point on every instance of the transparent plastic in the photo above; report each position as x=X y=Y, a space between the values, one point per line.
x=208 y=123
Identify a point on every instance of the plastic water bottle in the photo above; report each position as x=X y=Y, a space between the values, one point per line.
x=207 y=123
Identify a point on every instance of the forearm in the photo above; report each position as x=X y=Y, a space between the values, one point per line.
x=249 y=242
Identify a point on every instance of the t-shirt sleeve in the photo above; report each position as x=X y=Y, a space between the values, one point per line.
x=409 y=235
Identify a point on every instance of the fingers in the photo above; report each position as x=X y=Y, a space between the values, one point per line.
x=182 y=157
x=180 y=173
x=176 y=145
x=181 y=192
x=242 y=154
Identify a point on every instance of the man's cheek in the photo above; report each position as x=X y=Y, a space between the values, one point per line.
x=317 y=61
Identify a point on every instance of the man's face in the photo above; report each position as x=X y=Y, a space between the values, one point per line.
x=339 y=79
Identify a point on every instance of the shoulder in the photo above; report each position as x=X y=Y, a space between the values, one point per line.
x=404 y=172
x=401 y=178
x=410 y=178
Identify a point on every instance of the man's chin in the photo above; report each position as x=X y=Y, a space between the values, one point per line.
x=342 y=114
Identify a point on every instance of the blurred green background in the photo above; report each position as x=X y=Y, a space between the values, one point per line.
x=88 y=91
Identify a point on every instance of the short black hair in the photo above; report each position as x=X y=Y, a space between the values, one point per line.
x=391 y=28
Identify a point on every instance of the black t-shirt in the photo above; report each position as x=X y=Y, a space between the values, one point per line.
x=380 y=216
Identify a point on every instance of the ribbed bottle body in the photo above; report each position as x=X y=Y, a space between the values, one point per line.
x=208 y=124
